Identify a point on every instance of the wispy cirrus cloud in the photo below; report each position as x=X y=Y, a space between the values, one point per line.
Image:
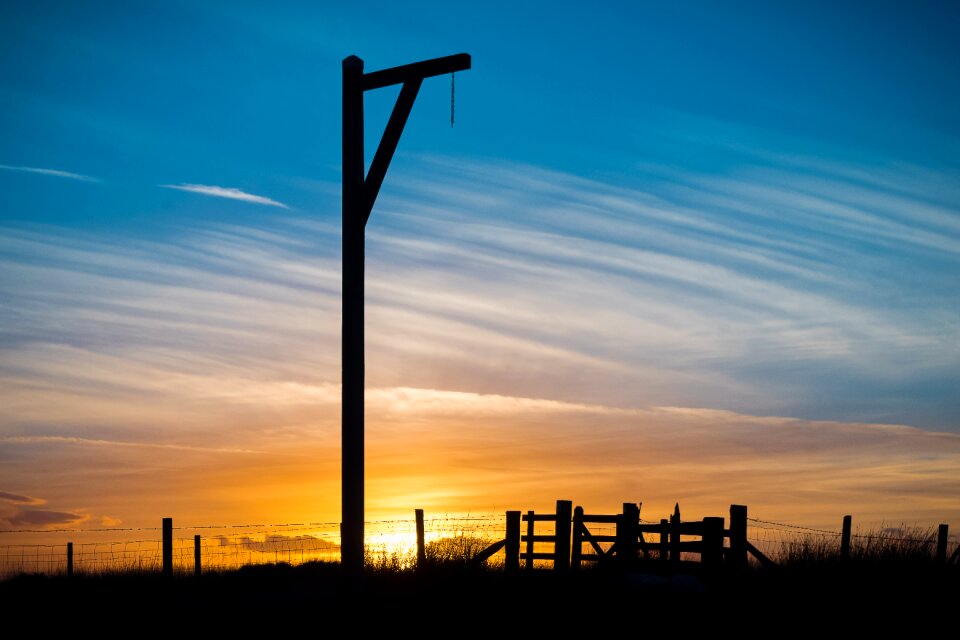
x=72 y=440
x=51 y=172
x=762 y=292
x=229 y=193
x=509 y=308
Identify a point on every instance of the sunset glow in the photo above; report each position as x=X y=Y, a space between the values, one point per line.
x=678 y=277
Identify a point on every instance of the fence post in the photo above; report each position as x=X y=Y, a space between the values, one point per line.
x=167 y=568
x=561 y=550
x=576 y=549
x=712 y=552
x=197 y=569
x=530 y=540
x=738 y=535
x=643 y=546
x=675 y=534
x=942 y=543
x=421 y=547
x=845 y=538
x=69 y=559
x=664 y=538
x=512 y=546
x=627 y=535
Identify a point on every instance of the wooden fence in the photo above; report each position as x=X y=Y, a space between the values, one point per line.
x=666 y=541
x=712 y=541
x=666 y=538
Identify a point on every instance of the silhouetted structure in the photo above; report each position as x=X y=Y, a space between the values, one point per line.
x=577 y=539
x=197 y=560
x=359 y=194
x=845 y=538
x=626 y=547
x=167 y=567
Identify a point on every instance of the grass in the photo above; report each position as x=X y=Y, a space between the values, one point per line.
x=891 y=579
x=885 y=545
x=456 y=550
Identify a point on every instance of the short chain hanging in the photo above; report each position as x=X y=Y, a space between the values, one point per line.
x=452 y=80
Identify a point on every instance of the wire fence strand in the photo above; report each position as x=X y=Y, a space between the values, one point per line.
x=389 y=543
x=229 y=546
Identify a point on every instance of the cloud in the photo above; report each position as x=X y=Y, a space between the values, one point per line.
x=529 y=332
x=40 y=518
x=107 y=521
x=51 y=172
x=19 y=511
x=72 y=440
x=280 y=543
x=225 y=192
x=524 y=451
x=760 y=292
x=488 y=450
x=19 y=499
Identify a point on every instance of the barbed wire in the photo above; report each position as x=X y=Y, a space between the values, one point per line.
x=118 y=556
x=234 y=545
x=776 y=526
x=180 y=528
x=824 y=534
x=466 y=518
x=794 y=526
x=287 y=527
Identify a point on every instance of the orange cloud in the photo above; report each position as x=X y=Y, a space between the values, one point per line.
x=455 y=452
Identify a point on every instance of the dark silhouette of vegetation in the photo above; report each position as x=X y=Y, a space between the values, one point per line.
x=885 y=582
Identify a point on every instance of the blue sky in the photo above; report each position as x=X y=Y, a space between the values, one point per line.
x=743 y=207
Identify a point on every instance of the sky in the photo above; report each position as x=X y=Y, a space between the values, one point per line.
x=669 y=251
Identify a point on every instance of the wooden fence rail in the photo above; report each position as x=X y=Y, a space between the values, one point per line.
x=560 y=538
x=630 y=542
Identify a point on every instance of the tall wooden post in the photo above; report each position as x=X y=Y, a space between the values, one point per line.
x=512 y=547
x=421 y=543
x=197 y=568
x=167 y=567
x=351 y=357
x=664 y=539
x=359 y=194
x=576 y=549
x=561 y=549
x=530 y=543
x=845 y=538
x=942 y=535
x=627 y=535
x=675 y=535
x=712 y=553
x=738 y=535
x=69 y=559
